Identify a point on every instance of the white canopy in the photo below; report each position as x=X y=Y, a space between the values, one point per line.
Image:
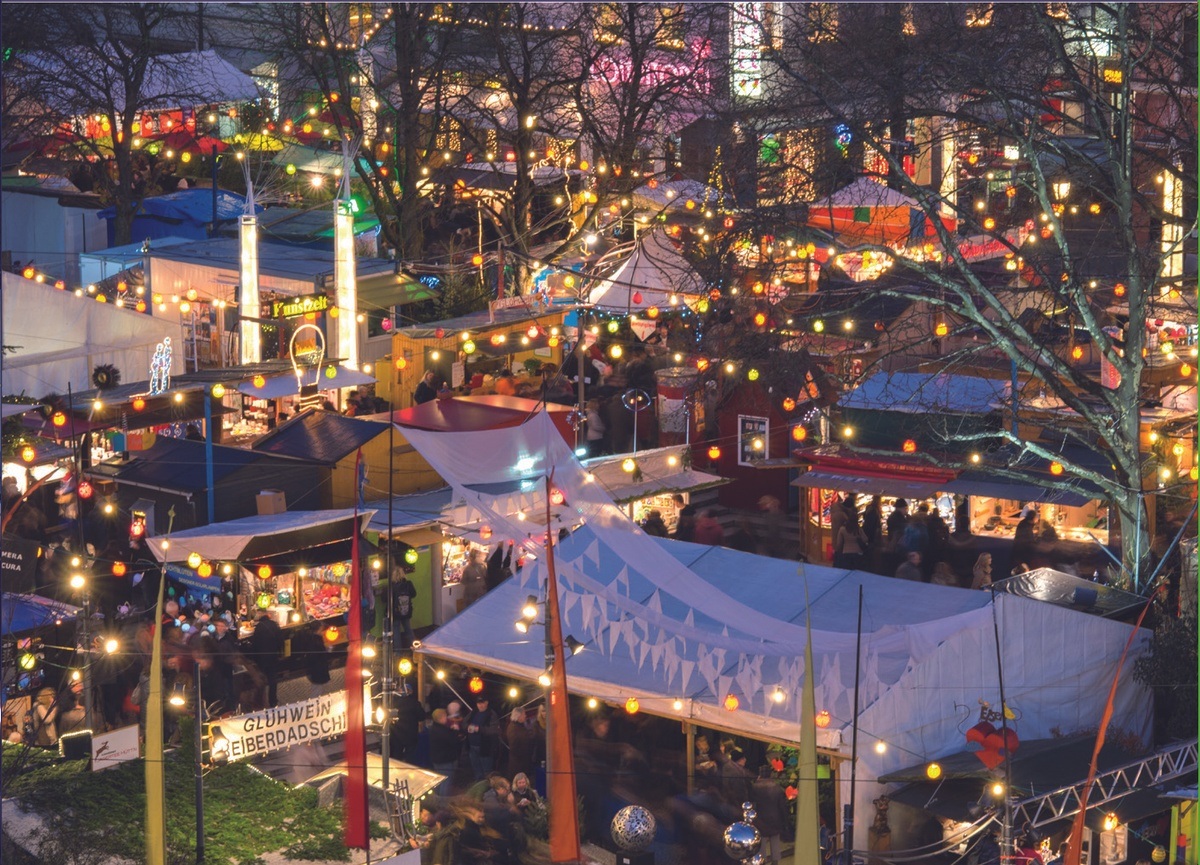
x=61 y=338
x=865 y=192
x=665 y=621
x=226 y=541
x=677 y=193
x=171 y=81
x=654 y=272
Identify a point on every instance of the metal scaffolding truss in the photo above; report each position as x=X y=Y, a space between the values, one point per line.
x=1171 y=762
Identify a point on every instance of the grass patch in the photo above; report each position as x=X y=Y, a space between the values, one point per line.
x=246 y=814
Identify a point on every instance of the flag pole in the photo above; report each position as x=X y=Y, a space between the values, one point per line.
x=560 y=783
x=357 y=814
x=155 y=770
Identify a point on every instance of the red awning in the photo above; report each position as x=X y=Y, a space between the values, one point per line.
x=475 y=413
x=836 y=459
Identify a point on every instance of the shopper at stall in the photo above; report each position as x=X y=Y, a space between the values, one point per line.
x=45 y=718
x=483 y=738
x=736 y=782
x=405 y=733
x=872 y=528
x=708 y=530
x=403 y=593
x=773 y=813
x=981 y=574
x=474 y=577
x=519 y=736
x=265 y=645
x=654 y=525
x=849 y=546
x=445 y=746
x=309 y=647
x=427 y=389
x=1025 y=537
x=910 y=568
x=895 y=532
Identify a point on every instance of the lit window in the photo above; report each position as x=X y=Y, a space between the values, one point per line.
x=979 y=14
x=822 y=22
x=670 y=27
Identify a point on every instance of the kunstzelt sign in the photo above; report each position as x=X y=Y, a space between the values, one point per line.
x=294 y=307
x=282 y=727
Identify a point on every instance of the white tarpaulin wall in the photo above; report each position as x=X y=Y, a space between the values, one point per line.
x=61 y=338
x=665 y=621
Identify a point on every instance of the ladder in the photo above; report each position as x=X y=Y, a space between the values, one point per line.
x=400 y=809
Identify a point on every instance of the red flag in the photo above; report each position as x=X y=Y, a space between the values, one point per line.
x=560 y=785
x=1075 y=839
x=357 y=813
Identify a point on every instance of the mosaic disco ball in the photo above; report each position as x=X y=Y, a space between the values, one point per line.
x=633 y=828
x=741 y=840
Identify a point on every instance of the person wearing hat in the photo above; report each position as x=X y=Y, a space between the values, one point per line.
x=896 y=522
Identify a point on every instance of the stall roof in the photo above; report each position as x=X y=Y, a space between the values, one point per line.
x=488 y=411
x=654 y=271
x=288 y=384
x=188 y=206
x=419 y=510
x=319 y=436
x=1075 y=593
x=657 y=474
x=259 y=536
x=920 y=393
x=483 y=320
x=180 y=464
x=20 y=613
x=279 y=260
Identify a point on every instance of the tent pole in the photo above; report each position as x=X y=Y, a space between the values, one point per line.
x=689 y=730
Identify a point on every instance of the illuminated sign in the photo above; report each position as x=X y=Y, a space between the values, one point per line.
x=281 y=727
x=294 y=307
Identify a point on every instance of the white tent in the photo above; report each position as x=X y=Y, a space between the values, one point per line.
x=653 y=273
x=666 y=622
x=228 y=541
x=61 y=338
x=677 y=193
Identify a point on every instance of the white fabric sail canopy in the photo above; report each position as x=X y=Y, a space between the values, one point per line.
x=665 y=621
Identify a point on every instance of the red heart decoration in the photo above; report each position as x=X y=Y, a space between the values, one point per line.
x=1011 y=740
x=993 y=742
x=979 y=732
x=989 y=758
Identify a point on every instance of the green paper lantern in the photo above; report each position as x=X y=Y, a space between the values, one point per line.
x=411 y=556
x=331 y=372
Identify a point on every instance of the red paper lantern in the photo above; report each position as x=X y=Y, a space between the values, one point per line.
x=823 y=719
x=118 y=569
x=440 y=332
x=799 y=433
x=637 y=297
x=475 y=685
x=138 y=404
x=909 y=446
x=85 y=490
x=557 y=497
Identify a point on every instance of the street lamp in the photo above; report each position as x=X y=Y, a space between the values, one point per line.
x=1060 y=185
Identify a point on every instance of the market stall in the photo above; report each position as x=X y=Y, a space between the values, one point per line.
x=295 y=565
x=652 y=481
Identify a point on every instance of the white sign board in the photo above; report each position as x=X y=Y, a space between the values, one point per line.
x=641 y=327
x=115 y=746
x=282 y=727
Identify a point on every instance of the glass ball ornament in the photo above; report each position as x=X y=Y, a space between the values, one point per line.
x=633 y=828
x=742 y=840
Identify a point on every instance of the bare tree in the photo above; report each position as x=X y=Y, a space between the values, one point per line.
x=100 y=66
x=1079 y=111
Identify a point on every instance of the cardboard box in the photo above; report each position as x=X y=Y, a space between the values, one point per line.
x=271 y=502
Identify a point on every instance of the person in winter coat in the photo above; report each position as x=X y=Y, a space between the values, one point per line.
x=772 y=806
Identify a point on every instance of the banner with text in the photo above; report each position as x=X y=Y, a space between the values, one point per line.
x=282 y=727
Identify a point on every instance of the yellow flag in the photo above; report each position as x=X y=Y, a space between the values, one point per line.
x=808 y=820
x=156 y=786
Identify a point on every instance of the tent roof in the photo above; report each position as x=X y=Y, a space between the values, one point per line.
x=194 y=206
x=320 y=436
x=22 y=613
x=483 y=412
x=918 y=393
x=655 y=270
x=657 y=474
x=666 y=620
x=179 y=80
x=179 y=464
x=864 y=192
x=285 y=261
x=676 y=193
x=259 y=536
x=287 y=384
x=1067 y=590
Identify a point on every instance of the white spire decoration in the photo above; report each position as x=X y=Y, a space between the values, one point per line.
x=249 y=329
x=345 y=271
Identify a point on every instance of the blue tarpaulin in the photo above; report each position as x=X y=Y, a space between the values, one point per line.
x=187 y=213
x=29 y=612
